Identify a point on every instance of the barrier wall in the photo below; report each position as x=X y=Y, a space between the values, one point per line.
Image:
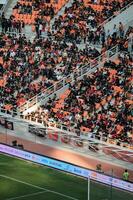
x=63 y=166
x=85 y=143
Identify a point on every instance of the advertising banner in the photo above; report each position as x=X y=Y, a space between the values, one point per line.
x=102 y=178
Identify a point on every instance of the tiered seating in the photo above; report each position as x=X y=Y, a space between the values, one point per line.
x=99 y=105
x=28 y=68
x=83 y=19
x=28 y=11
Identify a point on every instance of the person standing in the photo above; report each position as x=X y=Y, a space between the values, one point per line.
x=121 y=30
x=99 y=168
x=37 y=29
x=125 y=175
x=40 y=29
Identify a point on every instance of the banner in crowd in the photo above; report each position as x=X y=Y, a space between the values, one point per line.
x=6 y=123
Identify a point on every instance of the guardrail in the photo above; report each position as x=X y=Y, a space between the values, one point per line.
x=117 y=13
x=77 y=74
x=71 y=131
x=80 y=72
x=30 y=131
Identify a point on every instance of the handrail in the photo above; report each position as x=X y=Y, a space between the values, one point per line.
x=118 y=12
x=61 y=132
x=82 y=69
x=70 y=78
x=113 y=16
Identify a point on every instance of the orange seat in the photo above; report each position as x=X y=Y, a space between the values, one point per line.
x=8 y=107
x=85 y=129
x=1 y=60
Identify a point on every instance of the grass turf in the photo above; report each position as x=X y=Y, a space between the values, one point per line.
x=24 y=180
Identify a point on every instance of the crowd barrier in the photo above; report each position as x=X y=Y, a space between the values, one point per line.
x=67 y=167
x=85 y=142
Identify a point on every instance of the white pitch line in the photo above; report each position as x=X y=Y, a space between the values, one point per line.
x=38 y=187
x=26 y=195
x=19 y=181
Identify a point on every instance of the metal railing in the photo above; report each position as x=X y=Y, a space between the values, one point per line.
x=65 y=81
x=25 y=129
x=117 y=13
x=80 y=72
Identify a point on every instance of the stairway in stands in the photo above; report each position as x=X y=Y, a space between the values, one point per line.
x=8 y=12
x=123 y=17
x=28 y=31
x=61 y=12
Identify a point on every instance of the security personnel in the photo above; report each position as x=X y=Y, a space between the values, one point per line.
x=125 y=175
x=99 y=168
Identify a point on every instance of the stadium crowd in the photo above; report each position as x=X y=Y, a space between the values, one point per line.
x=83 y=20
x=37 y=13
x=11 y=25
x=29 y=68
x=100 y=103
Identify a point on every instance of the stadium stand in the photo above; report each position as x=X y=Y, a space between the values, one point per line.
x=100 y=103
x=35 y=13
x=16 y=63
x=84 y=20
x=19 y=60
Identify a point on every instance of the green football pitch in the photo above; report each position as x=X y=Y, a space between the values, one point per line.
x=22 y=180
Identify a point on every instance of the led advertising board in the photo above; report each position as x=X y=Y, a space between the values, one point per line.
x=60 y=165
